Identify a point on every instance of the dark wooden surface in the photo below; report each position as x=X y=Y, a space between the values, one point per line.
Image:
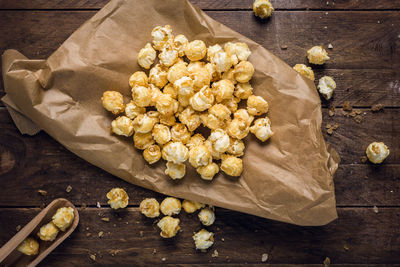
x=365 y=64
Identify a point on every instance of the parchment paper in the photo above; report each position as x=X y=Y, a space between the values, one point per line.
x=289 y=178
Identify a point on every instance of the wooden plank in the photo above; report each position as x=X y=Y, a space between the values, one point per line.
x=28 y=164
x=372 y=238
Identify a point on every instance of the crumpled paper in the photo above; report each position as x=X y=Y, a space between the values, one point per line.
x=289 y=178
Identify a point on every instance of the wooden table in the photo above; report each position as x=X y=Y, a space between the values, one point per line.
x=365 y=62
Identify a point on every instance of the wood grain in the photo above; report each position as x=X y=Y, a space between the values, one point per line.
x=246 y=238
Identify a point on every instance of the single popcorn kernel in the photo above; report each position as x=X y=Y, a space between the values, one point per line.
x=262 y=129
x=29 y=246
x=215 y=154
x=220 y=140
x=211 y=121
x=326 y=86
x=138 y=78
x=201 y=77
x=304 y=71
x=231 y=165
x=158 y=75
x=221 y=112
x=167 y=120
x=208 y=172
x=207 y=216
x=195 y=50
x=150 y=208
x=377 y=152
x=161 y=134
x=170 y=206
x=177 y=71
x=152 y=154
x=239 y=51
x=222 y=90
x=143 y=123
x=190 y=118
x=179 y=133
x=256 y=105
x=169 y=226
x=212 y=51
x=238 y=128
x=143 y=140
x=176 y=152
x=132 y=111
x=113 y=101
x=170 y=90
x=243 y=115
x=212 y=71
x=191 y=206
x=161 y=35
x=166 y=105
x=236 y=147
x=118 y=198
x=184 y=86
x=244 y=71
x=317 y=55
x=243 y=90
x=200 y=156
x=222 y=61
x=141 y=96
x=122 y=126
x=229 y=75
x=203 y=99
x=168 y=55
x=262 y=8
x=175 y=170
x=180 y=43
x=203 y=239
x=63 y=218
x=231 y=103
x=48 y=232
x=146 y=56
x=195 y=140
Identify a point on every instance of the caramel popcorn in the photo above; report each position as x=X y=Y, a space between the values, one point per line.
x=132 y=111
x=231 y=165
x=29 y=246
x=195 y=140
x=169 y=226
x=150 y=208
x=177 y=71
x=214 y=153
x=236 y=147
x=155 y=92
x=262 y=8
x=143 y=140
x=377 y=152
x=326 y=86
x=222 y=61
x=195 y=50
x=175 y=170
x=168 y=55
x=161 y=134
x=190 y=118
x=317 y=55
x=238 y=51
x=138 y=78
x=203 y=239
x=176 y=152
x=170 y=90
x=221 y=112
x=166 y=105
x=231 y=103
x=167 y=120
x=208 y=172
x=118 y=198
x=202 y=100
x=146 y=56
x=244 y=71
x=158 y=75
x=48 y=232
x=143 y=123
x=161 y=35
x=122 y=126
x=141 y=96
x=212 y=71
x=223 y=89
x=180 y=43
x=152 y=154
x=207 y=216
x=243 y=90
x=201 y=77
x=238 y=129
x=212 y=51
x=229 y=75
x=179 y=133
x=113 y=101
x=170 y=206
x=63 y=218
x=256 y=105
x=191 y=206
x=243 y=115
x=262 y=129
x=199 y=156
x=220 y=140
x=304 y=71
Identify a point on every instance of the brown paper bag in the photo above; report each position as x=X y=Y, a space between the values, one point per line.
x=289 y=178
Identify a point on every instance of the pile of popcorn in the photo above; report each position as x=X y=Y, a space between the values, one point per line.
x=191 y=85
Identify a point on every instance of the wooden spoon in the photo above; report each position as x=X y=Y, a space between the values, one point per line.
x=9 y=255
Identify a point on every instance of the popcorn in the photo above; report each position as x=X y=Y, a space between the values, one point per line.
x=152 y=154
x=211 y=121
x=170 y=206
x=169 y=226
x=167 y=120
x=48 y=232
x=184 y=100
x=195 y=140
x=63 y=218
x=122 y=126
x=208 y=172
x=150 y=208
x=175 y=170
x=220 y=140
x=207 y=216
x=243 y=115
x=377 y=152
x=184 y=86
x=326 y=86
x=201 y=77
x=212 y=71
x=236 y=147
x=29 y=246
x=154 y=93
x=262 y=129
x=202 y=100
x=243 y=90
x=262 y=8
x=203 y=239
x=317 y=55
x=179 y=133
x=200 y=156
x=141 y=96
x=214 y=153
x=238 y=51
x=191 y=206
x=180 y=43
x=175 y=152
x=132 y=111
x=304 y=71
x=113 y=101
x=118 y=198
x=238 y=128
x=158 y=75
x=143 y=140
x=168 y=55
x=190 y=118
x=231 y=165
x=231 y=103
x=146 y=56
x=244 y=71
x=161 y=134
x=212 y=51
x=196 y=50
x=222 y=61
x=256 y=105
x=138 y=78
x=170 y=90
x=222 y=90
x=143 y=123
x=166 y=105
x=177 y=71
x=229 y=75
x=161 y=35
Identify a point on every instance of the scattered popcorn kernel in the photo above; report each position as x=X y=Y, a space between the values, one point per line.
x=161 y=35
x=201 y=77
x=304 y=71
x=229 y=75
x=236 y=147
x=256 y=105
x=150 y=208
x=170 y=90
x=243 y=115
x=317 y=55
x=169 y=226
x=222 y=90
x=220 y=140
x=143 y=123
x=152 y=154
x=168 y=55
x=200 y=156
x=203 y=99
x=113 y=102
x=207 y=216
x=191 y=206
x=231 y=103
x=231 y=165
x=190 y=118
x=243 y=90
x=377 y=152
x=48 y=232
x=143 y=140
x=214 y=153
x=132 y=111
x=166 y=105
x=29 y=246
x=203 y=239
x=179 y=133
x=326 y=86
x=238 y=128
x=141 y=96
x=262 y=8
x=262 y=129
x=170 y=206
x=138 y=78
x=146 y=56
x=122 y=126
x=195 y=140
x=158 y=75
x=208 y=172
x=175 y=152
x=180 y=43
x=161 y=134
x=244 y=71
x=195 y=50
x=222 y=61
x=175 y=170
x=184 y=86
x=212 y=51
x=167 y=120
x=63 y=218
x=177 y=71
x=118 y=198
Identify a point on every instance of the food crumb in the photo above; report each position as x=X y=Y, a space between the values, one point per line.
x=141 y=233
x=114 y=252
x=264 y=257
x=346 y=247
x=114 y=225
x=227 y=259
x=377 y=107
x=327 y=262
x=106 y=219
x=18 y=227
x=88 y=234
x=154 y=251
x=100 y=234
x=283 y=47
x=122 y=239
x=93 y=257
x=363 y=159
x=83 y=206
x=42 y=192
x=358 y=118
x=331 y=111
x=68 y=189
x=347 y=106
x=98 y=205
x=375 y=209
x=330 y=46
x=164 y=259
x=223 y=239
x=214 y=254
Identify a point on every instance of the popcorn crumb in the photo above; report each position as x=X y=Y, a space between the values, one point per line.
x=215 y=254
x=88 y=234
x=18 y=227
x=154 y=251
x=330 y=46
x=100 y=234
x=375 y=209
x=93 y=257
x=377 y=107
x=222 y=239
x=363 y=159
x=68 y=189
x=284 y=47
x=98 y=205
x=346 y=247
x=347 y=106
x=105 y=219
x=327 y=262
x=42 y=192
x=331 y=111
x=264 y=257
x=164 y=259
x=141 y=233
